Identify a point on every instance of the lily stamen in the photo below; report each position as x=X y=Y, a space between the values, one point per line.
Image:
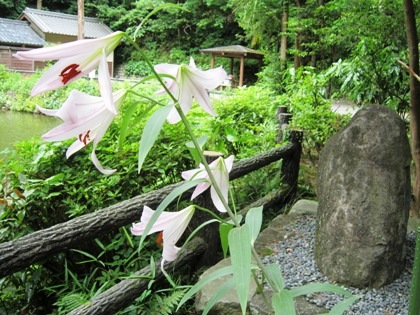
x=69 y=73
x=85 y=139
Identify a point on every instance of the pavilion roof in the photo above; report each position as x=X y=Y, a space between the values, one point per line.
x=234 y=51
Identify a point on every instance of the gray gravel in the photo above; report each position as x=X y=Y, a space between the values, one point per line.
x=295 y=256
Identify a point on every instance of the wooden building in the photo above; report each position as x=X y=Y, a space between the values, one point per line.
x=37 y=28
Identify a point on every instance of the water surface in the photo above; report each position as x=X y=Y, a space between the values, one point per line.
x=18 y=126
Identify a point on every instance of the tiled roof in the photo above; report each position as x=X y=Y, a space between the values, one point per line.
x=64 y=24
x=234 y=51
x=14 y=32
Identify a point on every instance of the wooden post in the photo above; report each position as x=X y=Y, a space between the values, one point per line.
x=290 y=165
x=81 y=19
x=241 y=71
x=284 y=118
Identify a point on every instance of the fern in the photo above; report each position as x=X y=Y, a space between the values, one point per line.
x=70 y=302
x=163 y=304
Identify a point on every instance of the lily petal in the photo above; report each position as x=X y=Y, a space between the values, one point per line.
x=173 y=225
x=191 y=83
x=220 y=169
x=85 y=117
x=76 y=59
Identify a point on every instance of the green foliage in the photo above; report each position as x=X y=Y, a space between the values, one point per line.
x=372 y=76
x=245 y=124
x=311 y=110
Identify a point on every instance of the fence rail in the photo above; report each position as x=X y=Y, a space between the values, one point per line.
x=35 y=247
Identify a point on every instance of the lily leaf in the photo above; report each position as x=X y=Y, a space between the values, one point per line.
x=190 y=145
x=128 y=113
x=254 y=220
x=203 y=281
x=343 y=306
x=220 y=292
x=151 y=132
x=240 y=254
x=224 y=230
x=318 y=287
x=283 y=303
x=274 y=273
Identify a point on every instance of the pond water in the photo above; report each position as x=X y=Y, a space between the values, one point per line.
x=17 y=126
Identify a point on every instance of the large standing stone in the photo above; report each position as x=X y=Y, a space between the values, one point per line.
x=364 y=197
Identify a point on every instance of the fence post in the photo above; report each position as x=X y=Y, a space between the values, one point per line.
x=290 y=165
x=283 y=117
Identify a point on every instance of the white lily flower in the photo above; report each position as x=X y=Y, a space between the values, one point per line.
x=220 y=170
x=173 y=225
x=190 y=83
x=85 y=117
x=76 y=59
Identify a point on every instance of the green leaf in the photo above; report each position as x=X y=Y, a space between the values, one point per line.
x=151 y=132
x=224 y=230
x=240 y=252
x=254 y=220
x=219 y=293
x=274 y=273
x=125 y=123
x=283 y=303
x=205 y=280
x=343 y=306
x=318 y=287
x=201 y=142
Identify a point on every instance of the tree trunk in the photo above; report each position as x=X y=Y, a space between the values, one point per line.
x=412 y=41
x=81 y=19
x=283 y=40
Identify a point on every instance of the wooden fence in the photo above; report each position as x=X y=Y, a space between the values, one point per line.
x=33 y=248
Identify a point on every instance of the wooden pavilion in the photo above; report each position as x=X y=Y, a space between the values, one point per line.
x=232 y=52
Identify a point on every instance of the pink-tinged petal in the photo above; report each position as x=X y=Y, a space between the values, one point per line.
x=217 y=202
x=173 y=225
x=87 y=118
x=74 y=147
x=169 y=253
x=53 y=79
x=210 y=79
x=191 y=83
x=45 y=111
x=76 y=59
x=98 y=165
x=220 y=169
x=200 y=188
x=194 y=174
x=104 y=81
x=73 y=48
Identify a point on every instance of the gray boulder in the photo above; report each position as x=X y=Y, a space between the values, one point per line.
x=364 y=197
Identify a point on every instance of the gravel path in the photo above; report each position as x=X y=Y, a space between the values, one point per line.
x=295 y=256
